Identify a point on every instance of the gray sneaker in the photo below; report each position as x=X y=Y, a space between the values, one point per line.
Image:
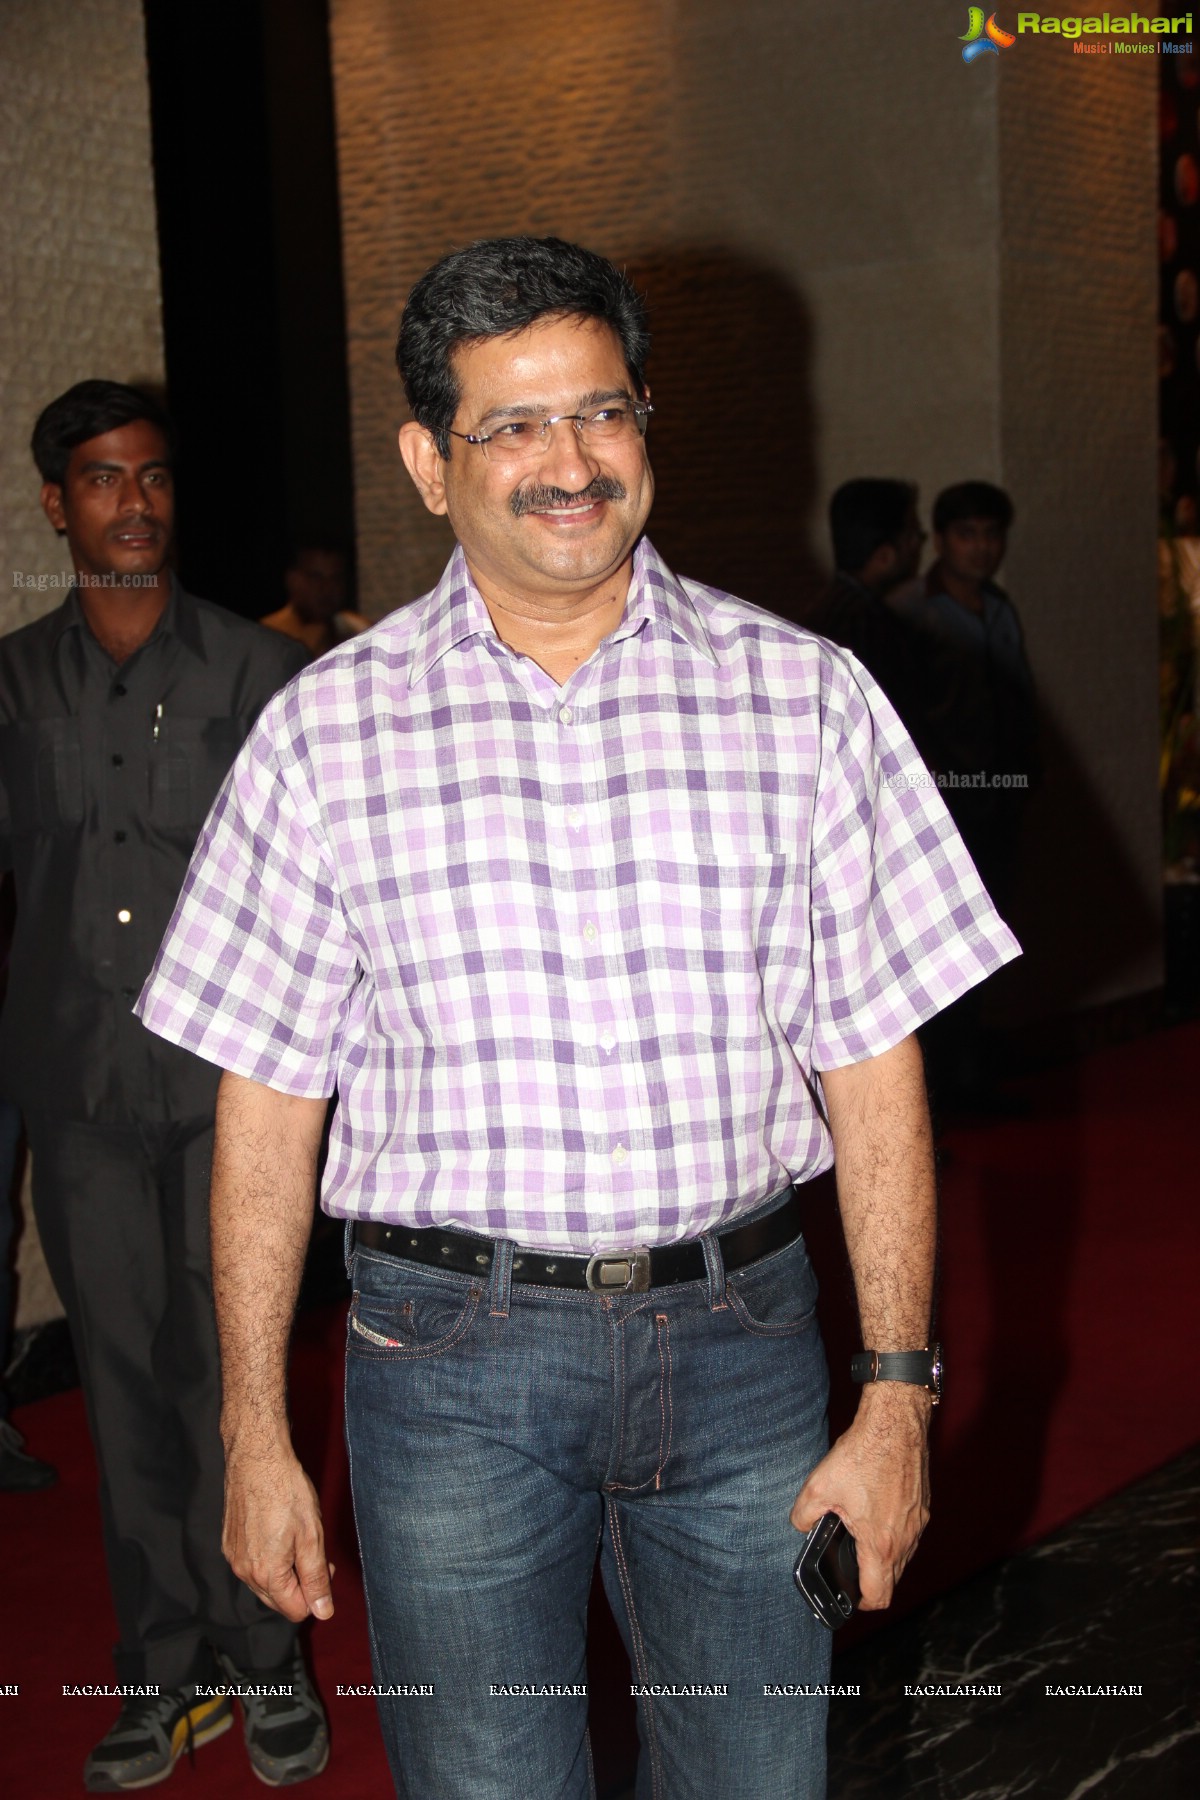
x=287 y=1734
x=150 y=1735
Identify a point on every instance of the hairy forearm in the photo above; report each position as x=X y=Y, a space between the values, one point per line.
x=876 y=1475
x=264 y=1179
x=886 y=1192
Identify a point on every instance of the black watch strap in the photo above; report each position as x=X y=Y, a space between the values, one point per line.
x=920 y=1368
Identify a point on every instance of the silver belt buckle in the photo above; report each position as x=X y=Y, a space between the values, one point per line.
x=628 y=1272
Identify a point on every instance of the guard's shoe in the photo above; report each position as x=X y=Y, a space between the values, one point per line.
x=149 y=1737
x=287 y=1734
x=20 y=1472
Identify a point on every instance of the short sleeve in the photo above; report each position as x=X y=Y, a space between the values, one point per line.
x=257 y=964
x=901 y=923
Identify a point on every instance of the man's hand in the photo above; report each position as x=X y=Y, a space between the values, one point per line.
x=264 y=1182
x=876 y=1478
x=272 y=1537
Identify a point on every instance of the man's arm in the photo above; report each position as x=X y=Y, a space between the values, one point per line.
x=876 y=1476
x=264 y=1179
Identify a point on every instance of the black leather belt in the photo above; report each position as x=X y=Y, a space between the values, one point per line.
x=611 y=1272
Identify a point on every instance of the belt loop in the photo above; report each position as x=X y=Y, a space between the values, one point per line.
x=348 y=1244
x=715 y=1269
x=500 y=1286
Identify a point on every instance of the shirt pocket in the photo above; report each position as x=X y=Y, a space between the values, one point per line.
x=42 y=764
x=704 y=919
x=189 y=759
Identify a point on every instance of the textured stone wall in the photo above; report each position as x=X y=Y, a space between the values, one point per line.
x=78 y=243
x=79 y=294
x=808 y=197
x=462 y=122
x=1078 y=307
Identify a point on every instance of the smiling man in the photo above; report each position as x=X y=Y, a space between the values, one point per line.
x=120 y=713
x=603 y=901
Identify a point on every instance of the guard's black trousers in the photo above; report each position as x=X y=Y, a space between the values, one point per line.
x=123 y=1215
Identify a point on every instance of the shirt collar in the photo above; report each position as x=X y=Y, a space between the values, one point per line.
x=936 y=588
x=179 y=619
x=456 y=610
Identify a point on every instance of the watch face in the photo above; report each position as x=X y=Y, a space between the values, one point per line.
x=935 y=1372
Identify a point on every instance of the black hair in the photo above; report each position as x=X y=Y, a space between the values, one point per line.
x=321 y=546
x=865 y=514
x=972 y=500
x=88 y=410
x=500 y=285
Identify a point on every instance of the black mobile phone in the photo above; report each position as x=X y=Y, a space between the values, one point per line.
x=827 y=1571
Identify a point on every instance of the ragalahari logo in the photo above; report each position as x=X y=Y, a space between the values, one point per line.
x=981 y=39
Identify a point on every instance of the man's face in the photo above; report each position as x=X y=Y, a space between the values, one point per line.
x=908 y=548
x=316 y=584
x=972 y=549
x=117 y=503
x=565 y=520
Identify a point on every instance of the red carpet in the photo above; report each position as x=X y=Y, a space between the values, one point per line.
x=1068 y=1293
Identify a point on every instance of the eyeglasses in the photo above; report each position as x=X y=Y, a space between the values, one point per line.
x=521 y=439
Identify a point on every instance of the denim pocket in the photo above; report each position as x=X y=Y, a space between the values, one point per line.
x=417 y=1316
x=776 y=1296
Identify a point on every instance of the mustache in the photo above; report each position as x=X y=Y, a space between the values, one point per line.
x=535 y=497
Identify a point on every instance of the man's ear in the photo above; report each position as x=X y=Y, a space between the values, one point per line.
x=52 y=506
x=424 y=464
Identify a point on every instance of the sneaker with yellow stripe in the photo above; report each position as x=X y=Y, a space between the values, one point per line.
x=150 y=1735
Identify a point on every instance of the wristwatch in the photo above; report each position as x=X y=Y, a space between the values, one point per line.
x=921 y=1368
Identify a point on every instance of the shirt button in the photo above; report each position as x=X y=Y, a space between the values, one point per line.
x=565 y=715
x=119 y=692
x=619 y=1154
x=124 y=916
x=608 y=1042
x=589 y=932
x=117 y=760
x=118 y=837
x=575 y=817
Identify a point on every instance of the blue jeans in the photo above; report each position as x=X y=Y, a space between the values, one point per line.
x=498 y=1433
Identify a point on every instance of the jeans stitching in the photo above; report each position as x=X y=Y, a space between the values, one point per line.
x=666 y=1411
x=501 y=1282
x=666 y=1416
x=714 y=1266
x=618 y=1338
x=422 y=1352
x=639 y=1649
x=757 y=1329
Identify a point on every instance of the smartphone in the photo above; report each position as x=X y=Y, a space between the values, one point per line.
x=827 y=1571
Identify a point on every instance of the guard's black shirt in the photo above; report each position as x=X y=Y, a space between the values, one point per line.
x=107 y=771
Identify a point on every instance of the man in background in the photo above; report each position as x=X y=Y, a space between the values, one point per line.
x=985 y=716
x=316 y=614
x=877 y=540
x=986 y=710
x=120 y=713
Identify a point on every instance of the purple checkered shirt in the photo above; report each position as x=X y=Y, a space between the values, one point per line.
x=571 y=955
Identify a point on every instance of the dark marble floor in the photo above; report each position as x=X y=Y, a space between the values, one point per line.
x=1108 y=1602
